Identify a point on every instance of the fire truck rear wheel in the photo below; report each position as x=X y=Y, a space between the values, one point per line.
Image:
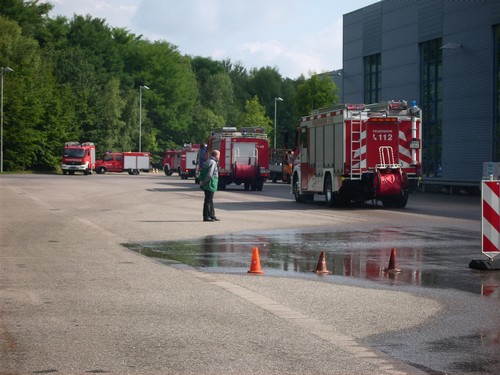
x=101 y=170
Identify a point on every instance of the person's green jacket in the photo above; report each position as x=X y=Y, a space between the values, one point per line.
x=209 y=175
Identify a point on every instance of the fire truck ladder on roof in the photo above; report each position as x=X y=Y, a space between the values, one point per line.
x=356 y=129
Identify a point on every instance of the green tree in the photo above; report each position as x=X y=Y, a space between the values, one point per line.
x=316 y=92
x=30 y=15
x=109 y=110
x=168 y=105
x=255 y=115
x=33 y=109
x=218 y=96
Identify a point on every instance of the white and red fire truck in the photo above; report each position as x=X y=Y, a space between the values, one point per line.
x=78 y=157
x=131 y=162
x=359 y=153
x=189 y=154
x=171 y=162
x=244 y=156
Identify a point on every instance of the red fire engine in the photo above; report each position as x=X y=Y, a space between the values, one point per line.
x=171 y=162
x=188 y=160
x=131 y=162
x=78 y=157
x=358 y=153
x=244 y=156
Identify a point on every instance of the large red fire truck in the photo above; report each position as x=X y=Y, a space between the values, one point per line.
x=131 y=162
x=359 y=153
x=244 y=156
x=78 y=157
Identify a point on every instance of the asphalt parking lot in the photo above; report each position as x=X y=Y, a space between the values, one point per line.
x=74 y=300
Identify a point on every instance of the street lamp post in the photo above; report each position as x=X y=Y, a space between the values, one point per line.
x=275 y=105
x=2 y=71
x=140 y=113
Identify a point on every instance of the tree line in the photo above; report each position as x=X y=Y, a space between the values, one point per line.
x=80 y=79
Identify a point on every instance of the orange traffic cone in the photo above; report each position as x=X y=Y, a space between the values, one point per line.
x=321 y=267
x=255 y=266
x=393 y=266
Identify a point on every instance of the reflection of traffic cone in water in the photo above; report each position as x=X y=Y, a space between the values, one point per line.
x=321 y=267
x=255 y=266
x=393 y=266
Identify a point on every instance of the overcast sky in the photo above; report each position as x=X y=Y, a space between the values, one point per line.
x=295 y=36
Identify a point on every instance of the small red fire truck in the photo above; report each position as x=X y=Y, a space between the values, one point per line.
x=171 y=162
x=131 y=162
x=244 y=156
x=359 y=153
x=188 y=160
x=78 y=157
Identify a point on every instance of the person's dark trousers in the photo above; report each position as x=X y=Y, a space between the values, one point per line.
x=208 y=205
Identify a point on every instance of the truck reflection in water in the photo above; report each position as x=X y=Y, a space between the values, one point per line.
x=436 y=258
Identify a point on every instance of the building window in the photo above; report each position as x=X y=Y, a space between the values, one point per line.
x=496 y=80
x=372 y=73
x=431 y=97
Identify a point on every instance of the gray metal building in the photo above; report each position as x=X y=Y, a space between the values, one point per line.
x=445 y=55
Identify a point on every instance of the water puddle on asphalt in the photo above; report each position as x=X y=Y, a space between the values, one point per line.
x=436 y=258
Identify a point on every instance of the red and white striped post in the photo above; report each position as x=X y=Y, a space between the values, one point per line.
x=490 y=239
x=490 y=192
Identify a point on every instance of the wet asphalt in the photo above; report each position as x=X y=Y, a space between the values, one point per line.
x=75 y=300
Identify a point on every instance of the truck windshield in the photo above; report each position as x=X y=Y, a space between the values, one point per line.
x=74 y=152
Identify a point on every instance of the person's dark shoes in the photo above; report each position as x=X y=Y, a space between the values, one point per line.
x=208 y=219
x=214 y=218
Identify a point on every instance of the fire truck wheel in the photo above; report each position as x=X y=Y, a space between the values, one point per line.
x=259 y=187
x=298 y=197
x=135 y=172
x=101 y=170
x=329 y=198
x=246 y=185
x=71 y=172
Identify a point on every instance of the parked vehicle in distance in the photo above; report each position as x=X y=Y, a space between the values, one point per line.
x=244 y=156
x=78 y=157
x=131 y=162
x=189 y=154
x=280 y=165
x=171 y=162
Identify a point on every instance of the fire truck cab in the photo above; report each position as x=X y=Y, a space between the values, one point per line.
x=359 y=153
x=78 y=157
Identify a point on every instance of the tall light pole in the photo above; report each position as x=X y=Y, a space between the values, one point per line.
x=140 y=113
x=275 y=106
x=3 y=70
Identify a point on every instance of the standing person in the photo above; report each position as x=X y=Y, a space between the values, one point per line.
x=209 y=181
